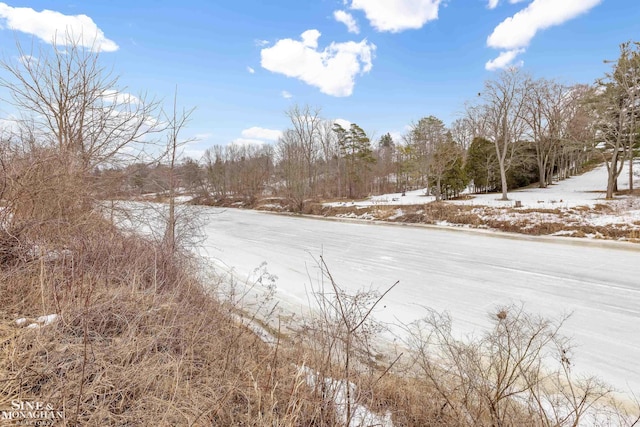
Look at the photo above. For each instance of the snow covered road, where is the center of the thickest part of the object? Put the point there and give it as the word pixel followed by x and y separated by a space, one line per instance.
pixel 467 274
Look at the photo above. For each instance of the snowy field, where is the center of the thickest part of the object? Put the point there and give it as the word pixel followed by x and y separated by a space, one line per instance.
pixel 466 273
pixel 576 202
pixel 583 190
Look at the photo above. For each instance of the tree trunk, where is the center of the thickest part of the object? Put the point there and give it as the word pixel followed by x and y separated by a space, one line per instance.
pixel 542 172
pixel 631 171
pixel 612 176
pixel 503 180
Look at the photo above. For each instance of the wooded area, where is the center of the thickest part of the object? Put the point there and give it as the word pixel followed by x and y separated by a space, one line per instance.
pixel 517 131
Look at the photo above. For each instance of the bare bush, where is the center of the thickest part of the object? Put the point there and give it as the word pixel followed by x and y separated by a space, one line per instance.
pixel 129 350
pixel 518 373
pixel 341 338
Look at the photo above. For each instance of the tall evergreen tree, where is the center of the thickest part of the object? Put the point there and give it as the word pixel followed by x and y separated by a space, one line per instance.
pixel 482 165
pixel 355 147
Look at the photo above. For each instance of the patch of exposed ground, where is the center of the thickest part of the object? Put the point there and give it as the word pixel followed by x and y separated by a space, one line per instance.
pixel 612 220
pixel 616 220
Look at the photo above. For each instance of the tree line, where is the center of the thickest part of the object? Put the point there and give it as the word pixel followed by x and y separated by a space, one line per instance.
pixel 517 131
pixel 77 139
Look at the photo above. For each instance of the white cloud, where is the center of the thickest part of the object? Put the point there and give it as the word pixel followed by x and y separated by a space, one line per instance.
pixel 342 122
pixel 398 15
pixel 9 126
pixel 347 19
pixel 251 70
pixel 194 154
pixel 55 27
pixel 286 95
pixel 28 60
pixel 258 133
pixel 201 137
pixel 505 59
pixel 514 34
pixel 261 43
pixel 117 97
pixel 518 30
pixel 332 70
pixel 247 141
pixel 494 3
pixel 396 136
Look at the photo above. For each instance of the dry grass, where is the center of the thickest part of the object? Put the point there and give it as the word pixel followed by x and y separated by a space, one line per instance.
pixel 524 221
pixel 140 341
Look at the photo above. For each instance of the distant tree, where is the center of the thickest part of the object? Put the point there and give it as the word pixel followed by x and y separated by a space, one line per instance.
pixel 386 141
pixel 355 147
pixel 462 132
pixel 216 171
pixel 190 175
pixel 503 109
pixel 406 166
pixel 543 112
pixel 482 165
pixel 385 159
pixel 455 179
pixel 615 101
pixel 424 136
pixel 291 160
pixel 448 177
pixel 305 132
pixel 332 163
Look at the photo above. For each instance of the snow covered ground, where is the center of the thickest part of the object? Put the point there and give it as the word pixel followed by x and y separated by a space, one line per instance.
pixel 577 202
pixel 587 189
pixel 466 273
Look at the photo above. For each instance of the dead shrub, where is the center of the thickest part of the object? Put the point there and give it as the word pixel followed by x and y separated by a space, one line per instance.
pixel 138 341
pixel 13 250
pixel 43 187
pixel 517 373
pixel 413 218
pixel 312 208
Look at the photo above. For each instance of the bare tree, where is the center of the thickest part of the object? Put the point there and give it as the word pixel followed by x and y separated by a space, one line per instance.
pixel 72 121
pixel 306 125
pixel 176 122
pixel 502 110
pixel 68 101
pixel 291 159
pixel 549 108
pixel 462 131
pixel 475 120
pixel 616 107
pixel 216 171
pixel 517 373
pixel 332 162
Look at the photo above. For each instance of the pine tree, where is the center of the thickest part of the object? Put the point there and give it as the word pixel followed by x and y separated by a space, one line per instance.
pixel 482 165
pixel 355 147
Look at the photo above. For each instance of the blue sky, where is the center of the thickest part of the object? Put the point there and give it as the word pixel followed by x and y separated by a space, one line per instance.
pixel 380 63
